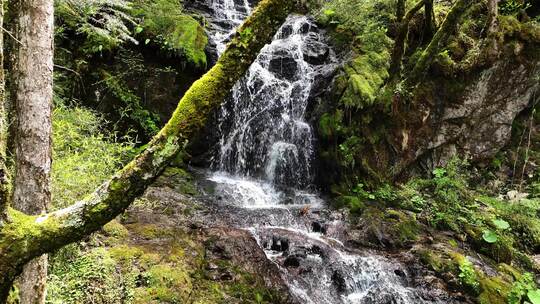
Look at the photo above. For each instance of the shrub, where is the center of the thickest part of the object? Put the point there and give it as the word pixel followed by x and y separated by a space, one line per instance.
pixel 83 157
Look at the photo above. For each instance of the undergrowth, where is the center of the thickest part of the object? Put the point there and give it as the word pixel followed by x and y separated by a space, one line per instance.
pixel 84 156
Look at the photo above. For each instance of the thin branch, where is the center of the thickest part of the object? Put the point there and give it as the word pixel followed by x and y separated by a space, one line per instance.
pixel 11 35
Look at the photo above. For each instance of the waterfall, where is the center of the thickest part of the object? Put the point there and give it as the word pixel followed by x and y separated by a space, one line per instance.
pixel 263 171
pixel 263 127
pixel 228 15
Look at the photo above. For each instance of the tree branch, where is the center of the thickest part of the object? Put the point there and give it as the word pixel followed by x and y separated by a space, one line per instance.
pixel 401 39
pixel 26 237
pixel 442 34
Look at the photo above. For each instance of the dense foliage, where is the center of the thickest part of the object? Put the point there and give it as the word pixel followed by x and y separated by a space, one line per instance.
pixel 444 215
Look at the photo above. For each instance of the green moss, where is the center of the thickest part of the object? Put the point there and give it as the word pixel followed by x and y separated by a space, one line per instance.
pixel 115 230
pixel 330 124
pixel 354 203
pixel 165 283
pixel 125 254
pixel 445 63
pixel 150 231
pixel 89 277
pixel 404 226
pixel 467 273
pixel 494 291
pixel 165 23
pixel 366 74
pixel 179 179
pixel 433 260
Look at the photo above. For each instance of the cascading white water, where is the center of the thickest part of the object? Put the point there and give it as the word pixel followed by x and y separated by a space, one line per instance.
pixel 229 15
pixel 264 134
pixel 264 167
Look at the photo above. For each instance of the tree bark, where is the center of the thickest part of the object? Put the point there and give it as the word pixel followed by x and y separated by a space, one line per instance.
pixel 25 237
pixel 401 39
pixel 446 29
pixel 33 130
pixel 493 15
pixel 400 10
pixel 429 18
pixel 4 174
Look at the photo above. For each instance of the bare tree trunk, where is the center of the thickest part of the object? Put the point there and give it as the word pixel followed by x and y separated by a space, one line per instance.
pixel 25 237
pixel 493 14
pixel 33 131
pixel 4 174
pixel 429 17
pixel 400 10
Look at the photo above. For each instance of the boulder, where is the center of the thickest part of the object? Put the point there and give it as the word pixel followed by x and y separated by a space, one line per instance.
pixel 283 65
pixel 314 51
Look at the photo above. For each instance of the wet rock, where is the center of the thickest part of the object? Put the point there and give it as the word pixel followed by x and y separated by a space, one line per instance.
pixel 226 276
pixel 283 65
pixel 314 51
pixel 307 27
pixel 296 257
pixel 317 250
pixel 318 227
pixel 338 279
pixel 212 266
pixel 286 31
pixel 292 261
pixel 279 244
pixel 400 273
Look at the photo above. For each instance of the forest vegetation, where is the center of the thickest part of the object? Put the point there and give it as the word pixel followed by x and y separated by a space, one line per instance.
pixel 426 124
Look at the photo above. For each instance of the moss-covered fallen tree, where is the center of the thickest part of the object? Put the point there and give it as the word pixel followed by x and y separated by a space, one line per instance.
pixel 24 237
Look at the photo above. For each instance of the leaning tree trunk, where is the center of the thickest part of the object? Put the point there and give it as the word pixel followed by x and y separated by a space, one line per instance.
pixel 401 39
pixel 446 29
pixel 4 174
pixel 33 130
pixel 25 237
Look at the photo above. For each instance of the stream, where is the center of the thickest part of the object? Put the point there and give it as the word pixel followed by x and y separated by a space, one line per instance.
pixel 263 171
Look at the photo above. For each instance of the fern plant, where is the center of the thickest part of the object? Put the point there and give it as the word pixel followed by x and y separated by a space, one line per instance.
pixel 105 24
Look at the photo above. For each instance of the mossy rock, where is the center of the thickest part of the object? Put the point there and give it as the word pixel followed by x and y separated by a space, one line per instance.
pixel 115 230
pixel 389 228
pixel 494 291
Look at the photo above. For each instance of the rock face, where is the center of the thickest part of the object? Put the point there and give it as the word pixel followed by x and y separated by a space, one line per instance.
pixel 468 114
pixel 283 64
pixel 314 51
pixel 481 124
pixel 225 255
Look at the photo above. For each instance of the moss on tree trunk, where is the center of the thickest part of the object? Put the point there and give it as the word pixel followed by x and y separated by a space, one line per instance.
pixel 446 29
pixel 25 237
pixel 401 39
pixel 4 174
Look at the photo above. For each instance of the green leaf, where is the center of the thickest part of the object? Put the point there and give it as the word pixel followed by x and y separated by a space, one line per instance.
pixel 490 236
pixel 501 224
pixel 534 296
pixel 147 41
pixel 439 172
pixel 138 29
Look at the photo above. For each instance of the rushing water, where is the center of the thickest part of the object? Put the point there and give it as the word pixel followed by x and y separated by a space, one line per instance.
pixel 228 15
pixel 263 168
